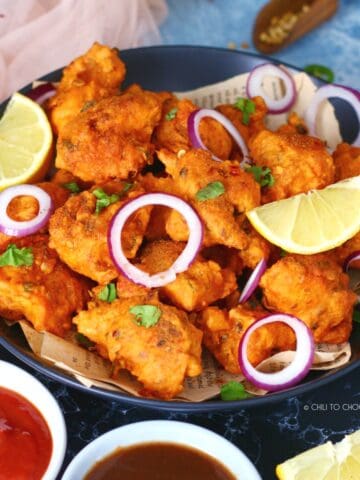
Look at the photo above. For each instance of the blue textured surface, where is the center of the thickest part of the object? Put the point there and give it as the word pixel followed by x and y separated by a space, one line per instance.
pixel 218 22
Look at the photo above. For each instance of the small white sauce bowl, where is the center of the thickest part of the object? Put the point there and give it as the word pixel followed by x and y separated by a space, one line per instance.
pixel 180 433
pixel 15 379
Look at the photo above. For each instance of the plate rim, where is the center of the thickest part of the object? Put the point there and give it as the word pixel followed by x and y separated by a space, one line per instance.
pixel 166 405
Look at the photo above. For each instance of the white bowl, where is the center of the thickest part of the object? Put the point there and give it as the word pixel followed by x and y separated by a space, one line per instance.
pixel 15 379
pixel 162 431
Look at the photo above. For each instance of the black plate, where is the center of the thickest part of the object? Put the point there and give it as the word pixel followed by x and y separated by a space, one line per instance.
pixel 184 68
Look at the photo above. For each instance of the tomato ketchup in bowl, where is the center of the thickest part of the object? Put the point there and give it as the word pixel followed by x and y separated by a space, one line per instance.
pixel 32 427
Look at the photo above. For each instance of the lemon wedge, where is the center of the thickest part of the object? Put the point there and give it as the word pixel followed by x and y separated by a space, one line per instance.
pixel 326 462
pixel 25 142
pixel 311 222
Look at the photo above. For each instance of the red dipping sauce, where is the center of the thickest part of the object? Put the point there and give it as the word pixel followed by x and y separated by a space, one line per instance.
pixel 25 439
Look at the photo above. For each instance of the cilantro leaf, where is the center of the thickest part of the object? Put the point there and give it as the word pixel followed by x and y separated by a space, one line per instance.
pixel 283 253
pixel 212 190
pixel 233 391
pixel 16 257
pixel 171 114
pixel 356 316
pixel 262 175
pixel 108 293
pixel 103 199
pixel 146 315
pixel 73 187
pixel 247 107
pixel 83 340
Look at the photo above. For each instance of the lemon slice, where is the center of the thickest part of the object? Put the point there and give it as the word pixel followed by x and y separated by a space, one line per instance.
pixel 25 142
pixel 311 222
pixel 326 462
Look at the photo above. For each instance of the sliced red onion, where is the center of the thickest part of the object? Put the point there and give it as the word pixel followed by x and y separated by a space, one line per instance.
pixel 293 373
pixel 254 87
pixel 15 228
pixel 253 281
pixel 184 260
pixel 330 91
pixel 350 259
pixel 42 92
pixel 194 133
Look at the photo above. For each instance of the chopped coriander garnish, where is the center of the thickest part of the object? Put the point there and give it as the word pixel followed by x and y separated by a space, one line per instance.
pixel 262 175
pixel 108 293
pixel 88 105
pixel 127 187
pixel 247 107
pixel 16 257
pixel 320 71
pixel 171 114
pixel 146 315
pixel 356 315
pixel 83 340
pixel 103 199
pixel 72 186
pixel 283 253
pixel 233 391
pixel 212 190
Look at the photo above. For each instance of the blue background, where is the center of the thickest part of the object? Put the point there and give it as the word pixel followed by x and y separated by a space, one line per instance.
pixel 335 43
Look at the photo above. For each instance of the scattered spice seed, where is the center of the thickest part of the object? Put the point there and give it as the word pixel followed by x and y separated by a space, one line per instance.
pixel 280 27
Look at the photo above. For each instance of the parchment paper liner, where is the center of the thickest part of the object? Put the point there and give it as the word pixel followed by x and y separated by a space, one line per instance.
pixel 92 370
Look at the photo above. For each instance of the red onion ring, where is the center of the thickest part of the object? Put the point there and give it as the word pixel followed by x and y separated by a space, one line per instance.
pixel 186 257
pixel 253 281
pixel 254 82
pixel 351 258
pixel 293 373
pixel 15 228
pixel 329 91
pixel 194 134
pixel 42 92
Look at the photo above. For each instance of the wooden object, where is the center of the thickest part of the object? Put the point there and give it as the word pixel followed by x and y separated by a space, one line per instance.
pixel 318 12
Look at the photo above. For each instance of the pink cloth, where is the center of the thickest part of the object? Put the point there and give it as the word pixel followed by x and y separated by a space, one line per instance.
pixel 39 36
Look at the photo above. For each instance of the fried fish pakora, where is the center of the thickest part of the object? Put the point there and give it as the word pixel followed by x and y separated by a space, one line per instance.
pixel 224 329
pixel 298 163
pixel 346 249
pixel 314 289
pixel 95 75
pixel 46 293
pixel 24 208
pixel 79 234
pixel 172 131
pixel 160 356
pixel 347 161
pixel 201 284
pixel 111 140
pixel 196 170
pixel 256 119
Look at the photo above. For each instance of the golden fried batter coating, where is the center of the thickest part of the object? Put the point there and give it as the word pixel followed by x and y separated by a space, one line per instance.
pixel 298 163
pixel 256 119
pixel 258 247
pixel 346 249
pixel 172 131
pixel 223 331
pixel 295 124
pixel 347 161
pixel 25 208
pixel 203 283
pixel 95 75
pixel 112 139
pixel 196 170
pixel 314 289
pixel 160 356
pixel 79 235
pixel 47 293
